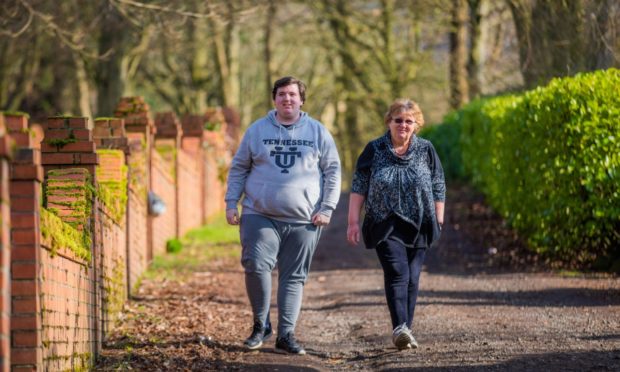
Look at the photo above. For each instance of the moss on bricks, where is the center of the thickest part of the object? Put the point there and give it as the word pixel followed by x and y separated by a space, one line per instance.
pixel 62 235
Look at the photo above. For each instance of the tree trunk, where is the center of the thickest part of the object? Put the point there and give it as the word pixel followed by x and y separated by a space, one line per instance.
pixel 110 77
pixel 459 89
pixel 267 53
pixel 83 99
pixel 603 38
pixel 199 65
pixel 550 36
pixel 473 59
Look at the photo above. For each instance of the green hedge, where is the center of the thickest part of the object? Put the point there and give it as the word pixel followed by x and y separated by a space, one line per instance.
pixel 445 139
pixel 549 161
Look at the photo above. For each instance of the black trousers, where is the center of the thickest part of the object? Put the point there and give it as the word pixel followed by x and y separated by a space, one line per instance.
pixel 401 272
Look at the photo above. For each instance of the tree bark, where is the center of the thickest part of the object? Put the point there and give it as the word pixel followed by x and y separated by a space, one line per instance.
pixel 551 38
pixel 459 89
pixel 110 77
pixel 473 59
pixel 267 52
pixel 83 98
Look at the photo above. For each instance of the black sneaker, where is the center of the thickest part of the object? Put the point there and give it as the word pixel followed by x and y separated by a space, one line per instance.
pixel 288 344
pixel 259 334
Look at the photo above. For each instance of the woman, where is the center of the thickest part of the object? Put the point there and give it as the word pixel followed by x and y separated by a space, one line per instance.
pixel 400 179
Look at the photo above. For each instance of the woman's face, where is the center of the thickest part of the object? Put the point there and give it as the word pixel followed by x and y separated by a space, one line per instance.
pixel 402 127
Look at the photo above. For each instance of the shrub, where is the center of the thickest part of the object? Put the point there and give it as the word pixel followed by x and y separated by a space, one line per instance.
pixel 174 245
pixel 445 139
pixel 549 162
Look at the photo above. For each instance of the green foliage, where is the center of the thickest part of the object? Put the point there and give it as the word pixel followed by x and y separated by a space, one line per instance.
pixel 549 162
pixel 445 139
pixel 174 245
pixel 114 288
pixel 169 153
pixel 194 258
pixel 212 126
pixel 62 142
pixel 61 235
pixel 200 247
pixel 218 231
pixel 74 232
pixel 15 113
pixel 113 193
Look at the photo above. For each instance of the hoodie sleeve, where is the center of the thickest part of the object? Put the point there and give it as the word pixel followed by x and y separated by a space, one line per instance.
pixel 238 172
pixel 330 166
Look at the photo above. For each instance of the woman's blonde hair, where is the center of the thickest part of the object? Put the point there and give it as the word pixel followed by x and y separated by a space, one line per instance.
pixel 402 105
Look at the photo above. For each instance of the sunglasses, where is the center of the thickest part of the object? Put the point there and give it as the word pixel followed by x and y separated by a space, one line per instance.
pixel 401 120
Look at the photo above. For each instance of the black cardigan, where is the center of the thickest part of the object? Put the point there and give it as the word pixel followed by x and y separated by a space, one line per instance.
pixel 400 192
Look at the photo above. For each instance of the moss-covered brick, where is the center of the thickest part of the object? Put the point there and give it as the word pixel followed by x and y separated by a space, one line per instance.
pixel 69 195
pixel 15 113
pixel 112 183
pixel 114 288
pixel 60 235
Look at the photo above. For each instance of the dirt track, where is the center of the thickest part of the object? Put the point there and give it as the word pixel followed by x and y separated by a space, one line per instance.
pixel 473 313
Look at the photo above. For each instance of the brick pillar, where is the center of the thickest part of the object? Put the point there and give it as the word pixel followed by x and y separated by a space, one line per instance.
pixel 169 133
pixel 26 178
pixel 192 142
pixel 140 130
pixel 68 143
pixel 217 145
pixel 109 133
pixel 5 248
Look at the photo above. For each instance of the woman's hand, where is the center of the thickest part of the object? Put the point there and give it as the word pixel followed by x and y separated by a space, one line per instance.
pixel 355 206
pixel 353 233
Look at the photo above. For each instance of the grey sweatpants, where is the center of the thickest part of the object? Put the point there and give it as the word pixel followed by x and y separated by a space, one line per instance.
pixel 267 242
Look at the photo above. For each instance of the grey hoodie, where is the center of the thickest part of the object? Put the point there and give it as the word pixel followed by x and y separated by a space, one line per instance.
pixel 287 173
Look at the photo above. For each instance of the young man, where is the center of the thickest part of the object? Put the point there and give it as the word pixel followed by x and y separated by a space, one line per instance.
pixel 288 170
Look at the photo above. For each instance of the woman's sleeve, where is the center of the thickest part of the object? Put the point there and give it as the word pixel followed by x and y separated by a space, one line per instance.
pixel 437 176
pixel 361 177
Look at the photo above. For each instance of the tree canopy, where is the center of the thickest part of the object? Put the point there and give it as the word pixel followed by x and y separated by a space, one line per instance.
pixel 355 56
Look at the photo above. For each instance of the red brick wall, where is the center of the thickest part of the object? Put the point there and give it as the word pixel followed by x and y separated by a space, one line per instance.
pixel 216 164
pixel 139 128
pixel 69 315
pixel 189 189
pixel 207 136
pixel 113 269
pixel 139 239
pixel 70 298
pixel 110 229
pixel 5 249
pixel 68 329
pixel 25 191
pixel 136 237
pixel 163 184
pixel 60 301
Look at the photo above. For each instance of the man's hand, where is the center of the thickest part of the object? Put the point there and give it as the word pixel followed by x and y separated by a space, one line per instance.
pixel 353 233
pixel 232 216
pixel 320 220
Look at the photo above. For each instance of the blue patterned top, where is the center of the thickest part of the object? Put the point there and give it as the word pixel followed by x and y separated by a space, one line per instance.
pixel 406 187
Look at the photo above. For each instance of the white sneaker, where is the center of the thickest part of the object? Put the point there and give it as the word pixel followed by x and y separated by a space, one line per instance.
pixel 402 337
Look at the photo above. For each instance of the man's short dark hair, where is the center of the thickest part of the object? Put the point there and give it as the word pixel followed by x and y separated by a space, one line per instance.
pixel 289 80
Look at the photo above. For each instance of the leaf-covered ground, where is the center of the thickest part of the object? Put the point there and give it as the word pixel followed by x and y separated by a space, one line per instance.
pixel 485 304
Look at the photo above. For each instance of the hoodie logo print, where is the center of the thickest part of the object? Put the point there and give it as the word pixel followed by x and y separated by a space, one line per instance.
pixel 285 159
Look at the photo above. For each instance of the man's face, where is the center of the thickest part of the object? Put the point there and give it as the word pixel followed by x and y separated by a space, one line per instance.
pixel 288 103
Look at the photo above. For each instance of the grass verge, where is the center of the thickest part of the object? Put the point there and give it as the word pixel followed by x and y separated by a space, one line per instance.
pixel 201 249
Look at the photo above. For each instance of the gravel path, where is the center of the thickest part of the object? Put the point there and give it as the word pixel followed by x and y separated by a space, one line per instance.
pixel 473 312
